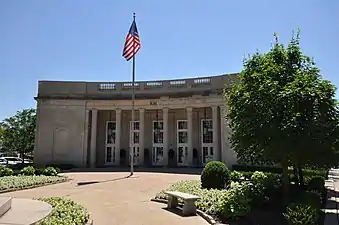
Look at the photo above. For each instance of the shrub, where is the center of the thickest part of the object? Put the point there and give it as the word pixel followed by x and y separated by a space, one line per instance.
pixel 250 168
pixel 5 171
pixel 236 176
pixel 65 211
pixel 317 183
pixel 18 182
pixel 28 171
pixel 237 202
pixel 49 171
pixel 301 214
pixel 215 175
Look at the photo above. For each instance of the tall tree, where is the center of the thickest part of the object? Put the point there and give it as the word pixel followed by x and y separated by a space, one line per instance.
pixel 18 132
pixel 282 111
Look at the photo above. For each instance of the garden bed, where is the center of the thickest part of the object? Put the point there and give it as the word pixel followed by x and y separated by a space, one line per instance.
pixel 257 198
pixel 64 212
pixel 16 183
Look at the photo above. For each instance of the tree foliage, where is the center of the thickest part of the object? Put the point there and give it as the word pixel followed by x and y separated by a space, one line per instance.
pixel 18 132
pixel 282 111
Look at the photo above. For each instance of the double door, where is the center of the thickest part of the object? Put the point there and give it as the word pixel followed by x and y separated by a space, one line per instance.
pixel 135 142
pixel 206 137
pixel 110 147
pixel 182 143
pixel 157 142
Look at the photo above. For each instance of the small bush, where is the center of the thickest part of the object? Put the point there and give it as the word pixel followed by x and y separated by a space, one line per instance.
pixel 5 171
pixel 317 183
pixel 250 168
pixel 49 171
pixel 236 176
pixel 28 171
pixel 237 202
pixel 215 175
pixel 39 171
pixel 301 214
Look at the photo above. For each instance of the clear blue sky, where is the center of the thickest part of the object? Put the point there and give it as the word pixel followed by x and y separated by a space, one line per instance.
pixel 83 39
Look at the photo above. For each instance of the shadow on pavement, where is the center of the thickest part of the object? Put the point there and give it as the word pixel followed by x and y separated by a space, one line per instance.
pixel 183 170
pixel 177 211
pixel 99 182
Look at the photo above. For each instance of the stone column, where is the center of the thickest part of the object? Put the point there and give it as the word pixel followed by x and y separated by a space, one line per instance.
pixel 117 136
pixel 141 135
pixel 85 139
pixel 223 137
pixel 215 133
pixel 189 136
pixel 165 120
pixel 94 137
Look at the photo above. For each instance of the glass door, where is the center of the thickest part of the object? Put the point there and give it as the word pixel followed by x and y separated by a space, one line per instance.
pixel 158 142
pixel 182 143
pixel 110 143
pixel 134 141
pixel 206 141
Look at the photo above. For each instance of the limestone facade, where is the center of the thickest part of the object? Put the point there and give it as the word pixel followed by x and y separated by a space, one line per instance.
pixel 177 123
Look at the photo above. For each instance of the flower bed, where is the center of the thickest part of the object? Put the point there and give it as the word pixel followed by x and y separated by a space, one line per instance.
pixel 13 183
pixel 64 212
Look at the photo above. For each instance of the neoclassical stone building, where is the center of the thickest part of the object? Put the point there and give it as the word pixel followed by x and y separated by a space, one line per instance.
pixel 177 123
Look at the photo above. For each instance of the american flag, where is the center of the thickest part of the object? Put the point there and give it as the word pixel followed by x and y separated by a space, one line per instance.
pixel 132 43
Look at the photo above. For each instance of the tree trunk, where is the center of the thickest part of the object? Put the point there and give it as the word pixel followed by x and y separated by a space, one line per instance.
pixel 300 172
pixel 295 174
pixel 285 180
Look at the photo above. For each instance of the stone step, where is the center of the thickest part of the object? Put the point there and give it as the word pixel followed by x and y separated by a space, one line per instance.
pixel 25 212
pixel 5 205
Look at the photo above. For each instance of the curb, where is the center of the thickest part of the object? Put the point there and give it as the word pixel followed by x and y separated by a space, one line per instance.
pixel 33 186
pixel 205 216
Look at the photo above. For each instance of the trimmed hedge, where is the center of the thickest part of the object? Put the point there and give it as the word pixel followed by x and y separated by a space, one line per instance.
pixel 64 212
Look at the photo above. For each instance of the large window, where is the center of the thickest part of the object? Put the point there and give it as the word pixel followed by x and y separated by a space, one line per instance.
pixel 207 129
pixel 110 132
pixel 158 132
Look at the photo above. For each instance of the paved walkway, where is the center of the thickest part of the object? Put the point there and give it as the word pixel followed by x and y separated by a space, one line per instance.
pixel 332 206
pixel 113 199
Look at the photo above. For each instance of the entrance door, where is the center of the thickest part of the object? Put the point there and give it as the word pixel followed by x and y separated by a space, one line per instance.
pixel 110 143
pixel 134 141
pixel 207 140
pixel 158 142
pixel 182 143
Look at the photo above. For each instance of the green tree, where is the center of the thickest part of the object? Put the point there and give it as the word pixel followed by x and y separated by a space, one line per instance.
pixel 283 112
pixel 18 132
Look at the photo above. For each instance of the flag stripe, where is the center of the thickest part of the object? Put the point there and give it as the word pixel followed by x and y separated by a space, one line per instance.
pixel 132 43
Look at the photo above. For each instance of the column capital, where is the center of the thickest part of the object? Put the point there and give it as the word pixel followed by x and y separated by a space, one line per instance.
pixel 117 111
pixel 214 107
pixel 189 109
pixel 165 110
pixel 94 110
pixel 142 110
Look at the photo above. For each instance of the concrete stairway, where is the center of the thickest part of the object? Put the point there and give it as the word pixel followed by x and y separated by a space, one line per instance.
pixel 15 211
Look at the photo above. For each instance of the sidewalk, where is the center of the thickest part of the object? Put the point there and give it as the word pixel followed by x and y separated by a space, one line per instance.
pixel 332 206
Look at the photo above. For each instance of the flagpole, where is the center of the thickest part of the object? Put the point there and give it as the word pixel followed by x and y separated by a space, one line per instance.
pixel 133 102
